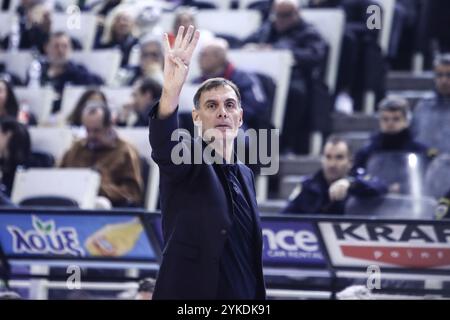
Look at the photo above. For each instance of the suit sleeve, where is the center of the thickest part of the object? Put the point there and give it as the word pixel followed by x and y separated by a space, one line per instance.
pixel 169 147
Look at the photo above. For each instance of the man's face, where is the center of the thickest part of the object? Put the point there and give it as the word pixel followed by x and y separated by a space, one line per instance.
pixel 286 15
pixel 123 24
pixel 442 79
pixel 141 100
pixel 336 162
pixel 211 59
pixel 59 49
pixel 98 135
pixel 219 114
pixel 392 122
pixel 150 55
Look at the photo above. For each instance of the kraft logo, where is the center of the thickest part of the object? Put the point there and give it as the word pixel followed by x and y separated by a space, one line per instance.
pixel 44 238
pixel 291 240
pixel 404 247
pixel 392 233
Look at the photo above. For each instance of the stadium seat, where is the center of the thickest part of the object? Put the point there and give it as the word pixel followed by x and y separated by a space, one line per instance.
pixel 392 206
pixel 116 98
pixel 48 201
pixel 17 62
pixel 81 185
pixel 330 24
pixel 437 177
pixel 244 22
pixel 85 33
pixel 105 62
pixel 38 100
pixel 54 141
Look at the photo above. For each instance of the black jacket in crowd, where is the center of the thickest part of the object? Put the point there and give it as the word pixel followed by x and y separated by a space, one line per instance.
pixel 314 195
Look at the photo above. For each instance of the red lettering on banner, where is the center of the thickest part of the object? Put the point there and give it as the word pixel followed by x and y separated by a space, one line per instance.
pixel 400 256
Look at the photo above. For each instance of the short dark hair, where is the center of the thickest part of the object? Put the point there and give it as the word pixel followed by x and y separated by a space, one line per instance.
pixel 75 117
pixel 394 104
pixel 151 86
pixel 442 59
pixel 212 84
pixel 91 109
pixel 19 145
pixel 12 105
pixel 335 139
pixel 58 34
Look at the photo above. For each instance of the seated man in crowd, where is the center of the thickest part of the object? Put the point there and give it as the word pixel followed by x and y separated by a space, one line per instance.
pixel 59 70
pixel 286 29
pixel 394 136
pixel 150 62
pixel 431 116
pixel 117 161
pixel 145 93
pixel 327 191
pixel 214 62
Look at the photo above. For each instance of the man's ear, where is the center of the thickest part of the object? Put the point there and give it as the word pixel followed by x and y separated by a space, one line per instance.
pixel 195 117
pixel 241 118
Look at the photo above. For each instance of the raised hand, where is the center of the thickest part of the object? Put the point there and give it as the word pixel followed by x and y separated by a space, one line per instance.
pixel 176 67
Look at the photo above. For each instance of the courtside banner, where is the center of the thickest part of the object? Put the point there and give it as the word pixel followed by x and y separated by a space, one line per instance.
pixel 290 243
pixel 74 235
pixel 406 245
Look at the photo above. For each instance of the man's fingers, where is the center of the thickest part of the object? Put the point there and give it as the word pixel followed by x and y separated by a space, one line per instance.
pixel 179 38
pixel 166 43
pixel 187 37
pixel 193 43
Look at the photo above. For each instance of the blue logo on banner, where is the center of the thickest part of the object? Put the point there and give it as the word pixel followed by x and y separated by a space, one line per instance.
pixel 45 238
pixel 291 243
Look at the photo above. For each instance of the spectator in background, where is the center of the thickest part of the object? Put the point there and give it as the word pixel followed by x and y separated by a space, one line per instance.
pixel 145 93
pixel 185 17
pixel 151 62
pixel 120 33
pixel 35 29
pixel 214 63
pixel 394 136
pixel 117 161
pixel 90 96
pixel 431 116
pixel 287 30
pixel 58 70
pixel 327 191
pixel 8 76
pixel 9 106
pixel 15 151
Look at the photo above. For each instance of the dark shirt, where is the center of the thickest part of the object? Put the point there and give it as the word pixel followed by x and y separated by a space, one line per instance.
pixel 124 46
pixel 314 196
pixel 399 142
pixel 75 74
pixel 237 278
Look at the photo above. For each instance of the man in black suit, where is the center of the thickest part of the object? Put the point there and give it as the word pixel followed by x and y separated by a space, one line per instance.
pixel 211 228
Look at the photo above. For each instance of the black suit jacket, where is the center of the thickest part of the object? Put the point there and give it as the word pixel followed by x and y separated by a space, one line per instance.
pixel 196 208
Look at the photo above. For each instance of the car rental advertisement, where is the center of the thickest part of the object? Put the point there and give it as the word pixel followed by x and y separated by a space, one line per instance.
pixel 74 236
pixel 290 244
pixel 397 245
